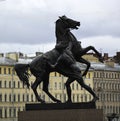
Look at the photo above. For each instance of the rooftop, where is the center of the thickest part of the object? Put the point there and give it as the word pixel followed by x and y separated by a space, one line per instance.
pixel 94 65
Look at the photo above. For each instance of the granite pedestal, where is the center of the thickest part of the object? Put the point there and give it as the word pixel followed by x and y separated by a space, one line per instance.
pixel 61 112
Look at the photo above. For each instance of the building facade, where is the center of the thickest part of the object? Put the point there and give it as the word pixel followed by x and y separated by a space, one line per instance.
pixel 106 81
pixel 14 95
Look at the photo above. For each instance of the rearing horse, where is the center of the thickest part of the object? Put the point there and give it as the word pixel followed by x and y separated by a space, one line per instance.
pixel 40 68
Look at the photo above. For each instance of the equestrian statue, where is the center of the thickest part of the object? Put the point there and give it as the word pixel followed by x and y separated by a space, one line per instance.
pixel 62 59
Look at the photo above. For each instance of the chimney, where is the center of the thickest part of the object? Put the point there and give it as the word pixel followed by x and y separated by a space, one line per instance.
pixel 105 56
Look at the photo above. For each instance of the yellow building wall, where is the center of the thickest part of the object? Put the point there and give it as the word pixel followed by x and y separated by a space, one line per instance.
pixel 11 85
pixel 90 58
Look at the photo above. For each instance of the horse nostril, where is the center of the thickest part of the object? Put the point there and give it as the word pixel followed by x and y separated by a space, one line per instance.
pixel 78 23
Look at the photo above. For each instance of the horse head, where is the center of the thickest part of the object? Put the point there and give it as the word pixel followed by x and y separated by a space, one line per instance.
pixel 69 23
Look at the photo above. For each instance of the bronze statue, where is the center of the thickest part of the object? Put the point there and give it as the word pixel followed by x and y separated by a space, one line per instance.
pixel 61 59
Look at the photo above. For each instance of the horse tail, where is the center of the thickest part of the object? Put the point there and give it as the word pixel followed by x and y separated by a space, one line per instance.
pixel 22 73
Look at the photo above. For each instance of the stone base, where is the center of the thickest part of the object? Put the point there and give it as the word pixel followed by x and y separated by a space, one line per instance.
pixel 62 115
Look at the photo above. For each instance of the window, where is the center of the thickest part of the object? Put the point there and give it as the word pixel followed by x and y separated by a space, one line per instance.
pixel 73 97
pixel 10 112
pixel 60 85
pixel 60 96
pixel 5 84
pixel 27 98
pixel 55 85
pixel 18 109
pixel 55 95
pixel 0 71
pixel 9 71
pixel 0 84
pixel 5 112
pixel 55 73
pixel 14 98
pixel 14 112
pixel 77 97
pixel 5 97
pixel 23 97
pixel 4 70
pixel 64 97
pixel 77 87
pixel 94 74
pixel 18 84
pixel 18 97
pixel 81 98
pixel 73 86
pixel 89 75
pixel 0 97
pixel 81 88
pixel 85 98
pixel 0 113
pixel 14 84
pixel 59 75
pixel 10 98
pixel 9 84
pixel 89 97
pixel 32 98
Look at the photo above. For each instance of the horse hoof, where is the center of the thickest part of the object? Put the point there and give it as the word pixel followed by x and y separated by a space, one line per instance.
pixel 40 100
pixel 101 60
pixel 68 102
pixel 58 101
pixel 95 99
pixel 43 102
pixel 84 75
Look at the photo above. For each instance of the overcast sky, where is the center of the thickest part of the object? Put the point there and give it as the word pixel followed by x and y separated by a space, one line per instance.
pixel 29 25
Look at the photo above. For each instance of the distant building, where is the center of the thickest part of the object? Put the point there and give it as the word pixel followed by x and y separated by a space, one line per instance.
pixel 106 81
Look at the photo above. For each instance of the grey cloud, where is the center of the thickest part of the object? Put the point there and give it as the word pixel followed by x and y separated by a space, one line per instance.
pixel 35 25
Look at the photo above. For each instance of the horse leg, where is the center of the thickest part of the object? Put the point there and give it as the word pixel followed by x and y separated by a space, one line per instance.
pixel 67 84
pixel 82 60
pixel 85 50
pixel 34 87
pixel 81 82
pixel 45 88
